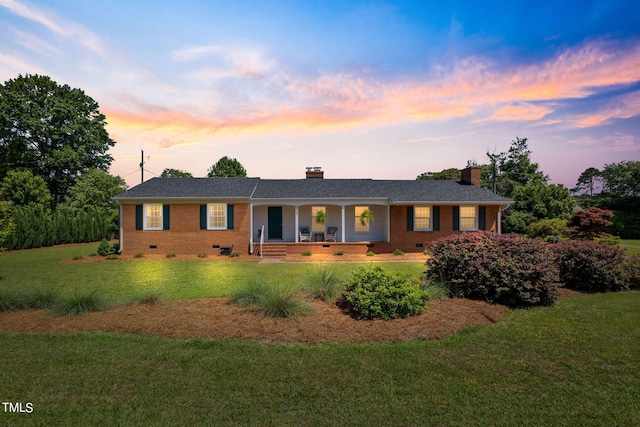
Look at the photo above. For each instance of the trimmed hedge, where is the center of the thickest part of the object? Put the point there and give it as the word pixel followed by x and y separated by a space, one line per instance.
pixel 591 266
pixel 504 269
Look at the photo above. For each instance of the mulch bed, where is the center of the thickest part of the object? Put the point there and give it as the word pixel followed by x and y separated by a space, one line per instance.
pixel 216 318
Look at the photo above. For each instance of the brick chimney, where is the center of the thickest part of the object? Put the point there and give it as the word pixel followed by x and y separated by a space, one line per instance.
pixel 471 174
pixel 314 172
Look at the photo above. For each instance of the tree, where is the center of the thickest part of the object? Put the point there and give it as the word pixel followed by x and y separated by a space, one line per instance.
pixel 226 167
pixel 6 222
pixel 22 188
pixel 175 173
pixel 588 181
pixel 622 178
pixel 590 223
pixel 93 191
pixel 95 188
pixel 515 168
pixel 452 174
pixel 54 131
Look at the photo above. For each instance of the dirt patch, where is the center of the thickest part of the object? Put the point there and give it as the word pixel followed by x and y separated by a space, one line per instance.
pixel 215 319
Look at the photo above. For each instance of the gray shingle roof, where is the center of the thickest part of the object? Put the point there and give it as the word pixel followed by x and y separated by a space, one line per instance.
pixel 395 191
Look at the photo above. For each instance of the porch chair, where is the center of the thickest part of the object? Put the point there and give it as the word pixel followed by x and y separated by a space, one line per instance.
pixel 305 234
pixel 330 236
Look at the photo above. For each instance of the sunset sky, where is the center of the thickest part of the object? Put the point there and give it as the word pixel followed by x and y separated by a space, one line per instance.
pixel 383 90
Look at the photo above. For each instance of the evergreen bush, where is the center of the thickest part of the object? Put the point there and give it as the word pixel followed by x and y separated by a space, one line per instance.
pixel 104 248
pixel 372 292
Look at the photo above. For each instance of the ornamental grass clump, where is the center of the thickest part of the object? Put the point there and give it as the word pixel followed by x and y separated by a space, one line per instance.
pixel 80 303
pixel 504 269
pixel 9 300
pixel 372 292
pixel 42 297
pixel 270 299
pixel 323 283
pixel 591 266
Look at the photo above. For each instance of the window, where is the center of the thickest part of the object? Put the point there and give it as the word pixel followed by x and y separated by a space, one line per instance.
pixel 361 224
pixel 468 216
pixel 217 218
pixel 153 216
pixel 318 219
pixel 422 218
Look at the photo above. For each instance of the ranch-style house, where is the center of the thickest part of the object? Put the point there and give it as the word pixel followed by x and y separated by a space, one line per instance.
pixel 280 216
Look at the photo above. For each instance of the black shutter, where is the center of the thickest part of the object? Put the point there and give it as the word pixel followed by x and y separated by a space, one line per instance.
pixel 203 217
pixel 456 218
pixel 230 217
pixel 436 218
pixel 409 218
pixel 482 218
pixel 165 217
pixel 138 217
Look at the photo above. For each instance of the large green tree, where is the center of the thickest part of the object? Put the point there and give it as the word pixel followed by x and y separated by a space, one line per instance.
pixel 519 178
pixel 175 173
pixel 227 167
pixel 53 130
pixel 21 188
pixel 453 174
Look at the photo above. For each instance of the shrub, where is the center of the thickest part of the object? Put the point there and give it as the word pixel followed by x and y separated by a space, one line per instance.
pixel 554 229
pixel 590 223
pixel 631 272
pixel 339 253
pixel 270 299
pixel 371 253
pixel 80 303
pixel 150 299
pixel 104 248
pixel 306 253
pixel 171 255
pixel 398 252
pixel 139 255
pixel 590 266
pixel 202 255
pixel 112 257
pixel 372 292
pixel 323 283
pixel 503 269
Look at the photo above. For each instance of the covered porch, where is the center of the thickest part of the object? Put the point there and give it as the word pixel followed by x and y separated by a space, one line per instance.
pixel 310 222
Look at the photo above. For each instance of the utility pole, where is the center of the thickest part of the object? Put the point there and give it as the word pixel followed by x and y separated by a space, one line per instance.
pixel 142 166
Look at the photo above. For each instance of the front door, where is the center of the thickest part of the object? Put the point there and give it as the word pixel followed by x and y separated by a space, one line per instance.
pixel 274 222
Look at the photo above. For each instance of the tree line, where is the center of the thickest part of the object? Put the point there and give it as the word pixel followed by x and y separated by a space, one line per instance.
pixel 514 175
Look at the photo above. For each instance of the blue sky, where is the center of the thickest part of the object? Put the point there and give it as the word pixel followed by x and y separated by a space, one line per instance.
pixel 384 90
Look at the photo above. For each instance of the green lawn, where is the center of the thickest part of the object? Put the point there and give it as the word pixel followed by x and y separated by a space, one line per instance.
pixel 120 280
pixel 632 246
pixel 577 363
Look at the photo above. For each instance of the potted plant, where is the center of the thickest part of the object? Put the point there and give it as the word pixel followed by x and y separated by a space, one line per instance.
pixel 366 217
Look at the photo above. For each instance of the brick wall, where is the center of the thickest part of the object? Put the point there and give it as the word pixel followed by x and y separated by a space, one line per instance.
pixel 184 235
pixel 415 241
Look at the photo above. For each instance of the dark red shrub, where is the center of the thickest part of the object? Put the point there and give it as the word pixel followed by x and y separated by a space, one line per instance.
pixel 590 223
pixel 504 269
pixel 590 266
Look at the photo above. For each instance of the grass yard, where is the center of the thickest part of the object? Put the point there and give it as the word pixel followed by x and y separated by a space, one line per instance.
pixel 121 281
pixel 632 246
pixel 577 363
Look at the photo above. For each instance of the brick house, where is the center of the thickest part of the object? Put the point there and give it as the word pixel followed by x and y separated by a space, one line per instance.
pixel 203 215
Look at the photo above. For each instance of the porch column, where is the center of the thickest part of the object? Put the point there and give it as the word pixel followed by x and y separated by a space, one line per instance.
pixel 251 228
pixel 296 222
pixel 388 223
pixel 344 233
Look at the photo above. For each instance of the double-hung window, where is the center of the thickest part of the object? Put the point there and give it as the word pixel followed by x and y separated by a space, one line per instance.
pixel 153 216
pixel 422 218
pixel 217 216
pixel 468 218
